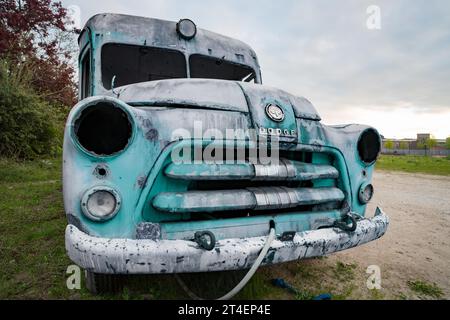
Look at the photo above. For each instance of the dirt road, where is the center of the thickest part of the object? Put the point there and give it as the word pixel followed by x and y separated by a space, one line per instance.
pixel 416 247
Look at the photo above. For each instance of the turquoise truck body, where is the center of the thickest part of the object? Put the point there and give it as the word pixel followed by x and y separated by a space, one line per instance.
pixel 314 195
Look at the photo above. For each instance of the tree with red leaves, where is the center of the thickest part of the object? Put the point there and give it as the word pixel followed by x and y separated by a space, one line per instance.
pixel 32 32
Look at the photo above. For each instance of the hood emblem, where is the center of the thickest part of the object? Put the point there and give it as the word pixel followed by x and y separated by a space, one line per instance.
pixel 275 112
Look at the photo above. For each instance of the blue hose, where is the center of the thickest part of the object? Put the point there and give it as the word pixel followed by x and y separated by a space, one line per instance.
pixel 278 282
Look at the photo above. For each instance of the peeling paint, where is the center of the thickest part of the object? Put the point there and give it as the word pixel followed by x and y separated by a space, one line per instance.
pixel 141 182
pixel 121 255
pixel 152 134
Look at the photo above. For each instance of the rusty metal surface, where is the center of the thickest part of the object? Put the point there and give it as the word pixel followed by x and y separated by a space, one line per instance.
pixel 123 256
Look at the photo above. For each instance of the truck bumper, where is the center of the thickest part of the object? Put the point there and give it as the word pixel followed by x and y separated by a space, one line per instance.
pixel 129 256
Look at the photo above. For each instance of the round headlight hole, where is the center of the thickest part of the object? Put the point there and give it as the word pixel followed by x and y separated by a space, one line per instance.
pixel 103 129
pixel 369 146
pixel 366 193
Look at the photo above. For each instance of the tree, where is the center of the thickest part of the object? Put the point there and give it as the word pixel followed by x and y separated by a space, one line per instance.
pixel 427 144
pixel 389 144
pixel 31 32
pixel 447 143
pixel 430 143
pixel 404 145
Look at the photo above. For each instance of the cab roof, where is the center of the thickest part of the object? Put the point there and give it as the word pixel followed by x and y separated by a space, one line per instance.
pixel 128 29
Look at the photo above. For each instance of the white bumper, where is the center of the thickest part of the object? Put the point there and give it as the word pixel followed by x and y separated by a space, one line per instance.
pixel 123 256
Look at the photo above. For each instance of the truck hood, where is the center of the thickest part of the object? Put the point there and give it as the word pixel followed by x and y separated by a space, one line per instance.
pixel 213 94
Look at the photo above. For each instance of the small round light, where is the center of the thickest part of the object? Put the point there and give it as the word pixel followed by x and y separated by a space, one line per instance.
pixel 100 204
pixel 186 28
pixel 365 193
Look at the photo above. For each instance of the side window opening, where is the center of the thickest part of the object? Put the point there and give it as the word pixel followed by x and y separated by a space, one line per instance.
pixel 86 75
pixel 213 68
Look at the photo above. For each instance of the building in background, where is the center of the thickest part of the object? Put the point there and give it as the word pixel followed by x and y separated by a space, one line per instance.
pixel 424 144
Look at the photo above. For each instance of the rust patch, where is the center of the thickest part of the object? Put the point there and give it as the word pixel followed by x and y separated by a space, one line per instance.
pixel 142 182
pixel 152 134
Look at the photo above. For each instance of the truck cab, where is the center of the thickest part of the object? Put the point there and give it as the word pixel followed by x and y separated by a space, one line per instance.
pixel 178 159
pixel 136 49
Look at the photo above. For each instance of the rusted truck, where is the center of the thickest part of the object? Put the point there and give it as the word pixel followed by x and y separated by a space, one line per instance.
pixel 132 208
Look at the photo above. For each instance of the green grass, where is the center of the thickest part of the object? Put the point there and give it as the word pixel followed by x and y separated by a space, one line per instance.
pixel 31 224
pixel 423 288
pixel 344 272
pixel 415 164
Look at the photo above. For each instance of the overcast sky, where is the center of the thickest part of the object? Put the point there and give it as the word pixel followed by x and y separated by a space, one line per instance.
pixel 396 78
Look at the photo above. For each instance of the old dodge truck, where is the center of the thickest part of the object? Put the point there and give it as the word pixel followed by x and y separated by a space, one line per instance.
pixel 150 90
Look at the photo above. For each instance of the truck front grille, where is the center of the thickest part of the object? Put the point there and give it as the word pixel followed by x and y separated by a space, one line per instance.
pixel 304 190
pixel 245 188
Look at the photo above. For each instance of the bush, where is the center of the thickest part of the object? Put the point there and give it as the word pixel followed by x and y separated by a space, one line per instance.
pixel 29 126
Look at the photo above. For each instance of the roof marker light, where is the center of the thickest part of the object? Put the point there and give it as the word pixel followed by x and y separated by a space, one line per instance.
pixel 186 28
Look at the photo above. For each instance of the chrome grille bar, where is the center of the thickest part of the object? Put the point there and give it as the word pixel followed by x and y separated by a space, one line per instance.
pixel 285 170
pixel 263 198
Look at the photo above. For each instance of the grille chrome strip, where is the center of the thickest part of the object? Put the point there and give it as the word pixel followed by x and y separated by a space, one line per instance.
pixel 285 170
pixel 263 198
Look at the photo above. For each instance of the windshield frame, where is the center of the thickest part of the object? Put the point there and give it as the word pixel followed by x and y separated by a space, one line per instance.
pixel 187 55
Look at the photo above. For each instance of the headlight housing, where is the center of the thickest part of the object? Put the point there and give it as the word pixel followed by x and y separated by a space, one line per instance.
pixel 186 28
pixel 100 203
pixel 369 146
pixel 365 193
pixel 103 128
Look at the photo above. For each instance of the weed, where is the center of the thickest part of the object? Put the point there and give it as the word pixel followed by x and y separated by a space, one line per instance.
pixel 344 271
pixel 425 288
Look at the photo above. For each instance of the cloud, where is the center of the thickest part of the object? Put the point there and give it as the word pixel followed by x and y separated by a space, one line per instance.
pixel 324 51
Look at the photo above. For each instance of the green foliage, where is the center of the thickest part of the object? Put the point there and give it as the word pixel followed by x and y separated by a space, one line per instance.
pixel 29 127
pixel 389 144
pixel 447 143
pixel 428 143
pixel 404 145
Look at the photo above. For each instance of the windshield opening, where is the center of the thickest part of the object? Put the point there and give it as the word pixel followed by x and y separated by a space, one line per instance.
pixel 212 68
pixel 132 64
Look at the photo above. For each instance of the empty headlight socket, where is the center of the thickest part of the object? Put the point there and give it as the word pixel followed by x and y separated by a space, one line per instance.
pixel 362 193
pixel 369 146
pixel 103 128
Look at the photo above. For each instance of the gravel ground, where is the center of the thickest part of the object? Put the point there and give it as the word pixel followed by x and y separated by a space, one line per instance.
pixel 417 244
